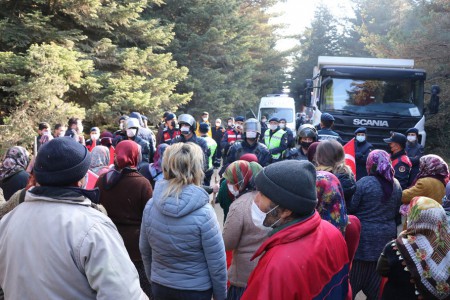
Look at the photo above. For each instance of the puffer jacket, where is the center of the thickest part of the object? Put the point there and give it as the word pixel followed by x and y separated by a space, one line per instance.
pixel 56 246
pixel 181 243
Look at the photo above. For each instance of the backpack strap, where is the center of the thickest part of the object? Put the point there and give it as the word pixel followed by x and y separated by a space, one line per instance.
pixel 22 195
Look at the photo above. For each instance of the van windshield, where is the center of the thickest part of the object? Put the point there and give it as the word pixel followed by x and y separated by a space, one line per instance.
pixel 280 113
pixel 400 97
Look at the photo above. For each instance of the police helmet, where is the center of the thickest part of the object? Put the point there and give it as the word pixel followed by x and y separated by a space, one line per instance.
pixel 252 125
pixel 187 119
pixel 132 123
pixel 307 131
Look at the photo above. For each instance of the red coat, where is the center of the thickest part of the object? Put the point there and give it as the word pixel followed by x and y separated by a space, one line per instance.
pixel 307 260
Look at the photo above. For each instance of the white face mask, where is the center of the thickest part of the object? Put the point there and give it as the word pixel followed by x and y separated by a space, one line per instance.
pixel 230 124
pixel 239 126
pixel 251 134
pixel 264 120
pixel 131 132
pixel 232 190
pixel 258 216
pixel 218 124
pixel 121 126
pixel 185 130
pixel 360 138
pixel 273 127
pixel 411 138
pixel 62 133
pixel 205 119
pixel 95 136
pixel 282 125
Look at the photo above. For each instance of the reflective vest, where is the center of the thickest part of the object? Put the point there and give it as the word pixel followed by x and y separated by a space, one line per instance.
pixel 274 141
pixel 167 137
pixel 233 136
pixel 212 146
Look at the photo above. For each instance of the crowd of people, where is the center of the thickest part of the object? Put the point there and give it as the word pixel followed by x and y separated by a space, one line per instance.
pixel 129 214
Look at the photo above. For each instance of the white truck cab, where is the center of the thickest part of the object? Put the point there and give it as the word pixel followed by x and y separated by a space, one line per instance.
pixel 280 106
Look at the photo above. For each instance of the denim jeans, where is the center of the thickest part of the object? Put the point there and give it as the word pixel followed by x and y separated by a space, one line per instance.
pixel 161 292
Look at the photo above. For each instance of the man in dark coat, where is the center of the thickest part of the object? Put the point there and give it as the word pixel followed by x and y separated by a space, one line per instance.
pixel 400 161
pixel 414 150
pixel 362 150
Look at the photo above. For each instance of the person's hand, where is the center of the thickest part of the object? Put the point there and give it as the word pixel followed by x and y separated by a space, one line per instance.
pixel 216 188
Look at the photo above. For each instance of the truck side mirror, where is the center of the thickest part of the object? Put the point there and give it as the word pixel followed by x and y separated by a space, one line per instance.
pixel 433 107
pixel 307 91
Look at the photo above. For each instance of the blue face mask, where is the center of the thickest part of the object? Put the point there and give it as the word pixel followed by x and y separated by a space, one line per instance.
pixel 360 138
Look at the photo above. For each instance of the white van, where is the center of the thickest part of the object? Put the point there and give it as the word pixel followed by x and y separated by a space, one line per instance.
pixel 278 105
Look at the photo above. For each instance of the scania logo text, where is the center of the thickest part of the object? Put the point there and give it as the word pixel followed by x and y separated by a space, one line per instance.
pixel 364 122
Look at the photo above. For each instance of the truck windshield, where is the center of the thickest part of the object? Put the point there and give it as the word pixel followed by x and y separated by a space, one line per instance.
pixel 373 97
pixel 280 113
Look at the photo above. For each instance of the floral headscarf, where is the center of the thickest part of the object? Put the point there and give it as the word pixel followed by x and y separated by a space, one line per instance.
pixel 331 201
pixel 379 165
pixel 432 166
pixel 16 159
pixel 425 247
pixel 99 158
pixel 241 174
pixel 158 157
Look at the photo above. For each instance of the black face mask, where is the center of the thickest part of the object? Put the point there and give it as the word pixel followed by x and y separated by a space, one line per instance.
pixel 305 144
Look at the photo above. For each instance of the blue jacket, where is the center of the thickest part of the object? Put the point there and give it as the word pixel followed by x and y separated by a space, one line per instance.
pixel 377 217
pixel 181 242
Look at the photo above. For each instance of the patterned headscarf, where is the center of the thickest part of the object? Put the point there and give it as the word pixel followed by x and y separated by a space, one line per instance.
pixel 15 160
pixel 425 246
pixel 379 165
pixel 432 166
pixel 242 173
pixel 158 157
pixel 99 158
pixel 331 202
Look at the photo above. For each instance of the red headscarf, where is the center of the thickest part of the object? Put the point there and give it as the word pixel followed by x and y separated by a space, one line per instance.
pixel 128 154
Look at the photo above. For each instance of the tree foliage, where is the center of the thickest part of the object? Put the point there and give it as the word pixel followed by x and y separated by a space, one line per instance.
pixel 91 59
pixel 228 47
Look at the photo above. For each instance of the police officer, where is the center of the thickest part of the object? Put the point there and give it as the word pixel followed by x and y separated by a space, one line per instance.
pixel 250 144
pixel 145 133
pixel 400 161
pixel 289 132
pixel 362 150
pixel 306 135
pixel 232 134
pixel 132 129
pixel 171 129
pixel 187 128
pixel 212 146
pixel 326 133
pixel 414 150
pixel 275 139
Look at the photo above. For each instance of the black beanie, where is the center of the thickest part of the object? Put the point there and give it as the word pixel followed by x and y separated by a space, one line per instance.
pixel 290 184
pixel 61 162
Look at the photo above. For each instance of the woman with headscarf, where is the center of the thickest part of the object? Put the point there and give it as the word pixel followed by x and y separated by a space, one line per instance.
pixel 124 193
pixel 224 196
pixel 99 160
pixel 181 241
pixel 430 181
pixel 416 263
pixel 330 157
pixel 153 172
pixel 13 175
pixel 240 234
pixel 331 203
pixel 375 203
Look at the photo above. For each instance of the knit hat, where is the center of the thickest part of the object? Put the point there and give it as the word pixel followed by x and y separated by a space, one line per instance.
pixel 60 162
pixel 413 130
pixel 296 192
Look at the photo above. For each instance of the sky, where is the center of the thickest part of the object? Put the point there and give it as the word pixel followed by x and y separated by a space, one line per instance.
pixel 298 14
